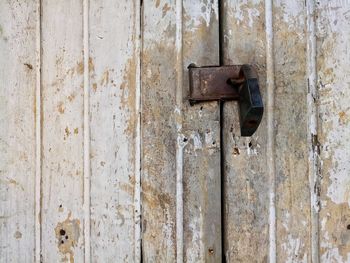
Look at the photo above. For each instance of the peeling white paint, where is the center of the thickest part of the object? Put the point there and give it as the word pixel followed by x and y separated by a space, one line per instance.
pixel 286 222
pixel 197 228
pixel 332 255
pixel 252 146
pixel 179 148
pixel 292 248
pixel 253 12
pixel 209 138
pixel 204 13
pixel 270 84
pixel 197 141
pixel 334 114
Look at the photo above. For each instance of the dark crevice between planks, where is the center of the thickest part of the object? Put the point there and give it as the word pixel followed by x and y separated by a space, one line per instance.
pixel 140 122
pixel 222 170
pixel 222 157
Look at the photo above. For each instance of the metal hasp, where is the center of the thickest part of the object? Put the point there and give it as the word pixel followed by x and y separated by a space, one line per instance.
pixel 236 82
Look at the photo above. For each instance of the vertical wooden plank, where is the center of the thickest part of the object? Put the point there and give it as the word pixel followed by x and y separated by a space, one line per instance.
pixel 201 128
pixel 333 38
pixel 17 130
pixel 270 127
pixel 292 184
pixel 38 140
pixel 159 136
pixel 246 180
pixel 114 80
pixel 62 131
pixel 313 145
pixel 86 135
pixel 181 157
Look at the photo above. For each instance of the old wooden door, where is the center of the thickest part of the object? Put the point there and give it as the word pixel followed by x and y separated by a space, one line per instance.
pixel 103 160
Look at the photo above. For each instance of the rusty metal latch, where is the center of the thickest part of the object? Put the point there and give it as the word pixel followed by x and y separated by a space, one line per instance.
pixel 236 82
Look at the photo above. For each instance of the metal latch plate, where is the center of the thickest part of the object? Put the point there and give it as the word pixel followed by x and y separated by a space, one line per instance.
pixel 211 83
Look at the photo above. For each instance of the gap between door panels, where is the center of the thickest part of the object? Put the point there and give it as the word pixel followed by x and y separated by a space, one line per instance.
pixel 222 157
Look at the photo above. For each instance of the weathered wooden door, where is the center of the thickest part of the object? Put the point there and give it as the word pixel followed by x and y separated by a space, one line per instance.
pixel 102 159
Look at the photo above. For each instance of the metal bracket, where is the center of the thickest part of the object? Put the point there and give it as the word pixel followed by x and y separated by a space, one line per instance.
pixel 236 82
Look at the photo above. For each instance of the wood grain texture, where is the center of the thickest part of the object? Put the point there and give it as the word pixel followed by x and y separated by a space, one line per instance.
pixel 246 181
pixel 113 83
pixel 62 131
pixel 201 130
pixel 291 157
pixel 17 130
pixel 159 135
pixel 174 132
pixel 90 52
pixel 332 32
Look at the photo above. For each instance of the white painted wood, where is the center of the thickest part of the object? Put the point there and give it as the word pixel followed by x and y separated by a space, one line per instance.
pixel 270 129
pixel 307 183
pixel 38 148
pixel 333 78
pixel 114 83
pixel 179 30
pixel 181 157
pixel 291 132
pixel 62 65
pixel 312 131
pixel 86 134
pixel 160 169
pixel 293 221
pixel 72 134
pixel 17 130
pixel 247 188
pixel 201 128
pixel 291 162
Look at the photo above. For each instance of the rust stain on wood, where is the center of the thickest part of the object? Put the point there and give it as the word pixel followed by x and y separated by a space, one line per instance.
pixel 60 107
pixel 128 96
pixel 80 68
pixel 157 3
pixel 17 235
pixel 29 66
pixel 67 236
pixel 105 78
pixel 165 10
